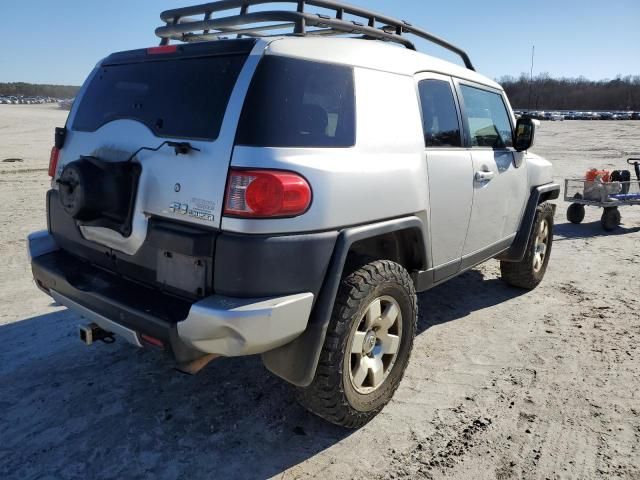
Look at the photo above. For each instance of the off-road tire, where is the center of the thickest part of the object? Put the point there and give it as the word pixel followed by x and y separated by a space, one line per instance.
pixel 611 218
pixel 522 274
pixel 575 213
pixel 331 394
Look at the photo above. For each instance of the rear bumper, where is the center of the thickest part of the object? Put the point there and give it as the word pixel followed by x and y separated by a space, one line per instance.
pixel 218 325
pixel 239 326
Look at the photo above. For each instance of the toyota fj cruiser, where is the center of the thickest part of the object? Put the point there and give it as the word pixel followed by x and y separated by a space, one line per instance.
pixel 287 194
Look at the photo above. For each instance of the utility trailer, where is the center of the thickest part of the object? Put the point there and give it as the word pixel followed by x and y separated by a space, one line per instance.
pixel 609 196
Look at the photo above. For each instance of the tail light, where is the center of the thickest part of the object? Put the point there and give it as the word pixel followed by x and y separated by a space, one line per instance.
pixel 61 134
pixel 266 194
pixel 53 161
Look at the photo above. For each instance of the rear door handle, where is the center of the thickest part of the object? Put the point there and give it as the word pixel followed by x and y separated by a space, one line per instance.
pixel 484 176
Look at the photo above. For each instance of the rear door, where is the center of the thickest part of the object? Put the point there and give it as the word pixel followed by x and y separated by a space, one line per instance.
pixel 136 101
pixel 499 178
pixel 450 172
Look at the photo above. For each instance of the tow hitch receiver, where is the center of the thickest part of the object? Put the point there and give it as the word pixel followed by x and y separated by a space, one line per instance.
pixel 93 332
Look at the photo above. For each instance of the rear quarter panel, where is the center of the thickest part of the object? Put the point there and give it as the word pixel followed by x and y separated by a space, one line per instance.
pixel 382 176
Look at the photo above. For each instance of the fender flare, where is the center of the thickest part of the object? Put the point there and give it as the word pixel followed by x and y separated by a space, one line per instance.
pixel 297 361
pixel 539 194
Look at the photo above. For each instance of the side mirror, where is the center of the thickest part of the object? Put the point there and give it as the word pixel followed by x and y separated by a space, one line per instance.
pixel 525 133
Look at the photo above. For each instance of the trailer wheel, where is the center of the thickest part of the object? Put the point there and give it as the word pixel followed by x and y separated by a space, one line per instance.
pixel 575 213
pixel 610 218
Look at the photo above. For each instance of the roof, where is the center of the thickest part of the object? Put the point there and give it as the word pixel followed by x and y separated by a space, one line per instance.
pixel 371 54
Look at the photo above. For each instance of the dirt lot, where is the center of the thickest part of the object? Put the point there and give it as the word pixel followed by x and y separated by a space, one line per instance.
pixel 502 384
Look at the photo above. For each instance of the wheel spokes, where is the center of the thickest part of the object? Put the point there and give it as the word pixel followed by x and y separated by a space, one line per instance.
pixel 390 343
pixel 542 249
pixel 374 312
pixel 376 368
pixel 537 261
pixel 543 232
pixel 361 371
pixel 375 344
pixel 389 317
pixel 357 346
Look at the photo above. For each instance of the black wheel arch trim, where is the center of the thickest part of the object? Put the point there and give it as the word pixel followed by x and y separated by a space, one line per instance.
pixel 297 361
pixel 539 194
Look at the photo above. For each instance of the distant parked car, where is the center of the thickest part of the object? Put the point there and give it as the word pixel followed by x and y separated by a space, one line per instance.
pixel 66 104
pixel 531 114
pixel 635 116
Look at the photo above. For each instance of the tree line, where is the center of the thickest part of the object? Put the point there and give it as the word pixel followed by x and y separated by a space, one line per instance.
pixel 541 93
pixel 546 93
pixel 33 90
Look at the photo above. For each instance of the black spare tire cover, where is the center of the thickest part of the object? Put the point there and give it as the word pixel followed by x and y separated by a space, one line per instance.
pixel 100 193
pixel 81 192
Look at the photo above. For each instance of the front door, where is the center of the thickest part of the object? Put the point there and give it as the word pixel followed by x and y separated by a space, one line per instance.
pixel 499 179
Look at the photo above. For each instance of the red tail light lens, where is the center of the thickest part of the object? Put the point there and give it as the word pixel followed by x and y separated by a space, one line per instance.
pixel 266 194
pixel 53 161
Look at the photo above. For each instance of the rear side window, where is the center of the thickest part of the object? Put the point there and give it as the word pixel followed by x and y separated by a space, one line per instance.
pixel 184 98
pixel 489 124
pixel 298 103
pixel 439 114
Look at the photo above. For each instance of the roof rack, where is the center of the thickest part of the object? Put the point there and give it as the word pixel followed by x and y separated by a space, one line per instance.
pixel 181 26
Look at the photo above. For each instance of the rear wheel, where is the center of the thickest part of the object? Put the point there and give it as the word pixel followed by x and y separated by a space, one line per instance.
pixel 529 272
pixel 367 347
pixel 575 213
pixel 610 218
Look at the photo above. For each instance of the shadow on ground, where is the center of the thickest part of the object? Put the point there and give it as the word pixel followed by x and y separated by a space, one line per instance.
pixel 459 297
pixel 119 412
pixel 570 231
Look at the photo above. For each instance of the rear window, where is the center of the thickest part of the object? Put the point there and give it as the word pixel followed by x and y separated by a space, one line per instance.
pixel 184 98
pixel 439 114
pixel 298 103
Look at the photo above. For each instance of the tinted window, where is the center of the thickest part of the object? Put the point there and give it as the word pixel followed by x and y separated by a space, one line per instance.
pixel 486 113
pixel 174 98
pixel 297 103
pixel 439 115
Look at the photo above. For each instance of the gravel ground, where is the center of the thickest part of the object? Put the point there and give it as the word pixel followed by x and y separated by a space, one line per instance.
pixel 502 384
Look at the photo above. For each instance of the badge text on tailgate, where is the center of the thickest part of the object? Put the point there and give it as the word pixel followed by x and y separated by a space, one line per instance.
pixel 183 209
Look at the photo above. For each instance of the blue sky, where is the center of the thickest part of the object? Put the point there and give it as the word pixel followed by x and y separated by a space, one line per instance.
pixel 46 41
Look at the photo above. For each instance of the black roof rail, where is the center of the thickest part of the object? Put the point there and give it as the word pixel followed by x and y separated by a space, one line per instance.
pixel 181 26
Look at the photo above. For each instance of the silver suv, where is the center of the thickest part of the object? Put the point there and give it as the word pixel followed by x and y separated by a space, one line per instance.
pixel 286 195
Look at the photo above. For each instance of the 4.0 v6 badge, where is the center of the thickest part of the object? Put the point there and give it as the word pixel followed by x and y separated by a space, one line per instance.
pixel 183 209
